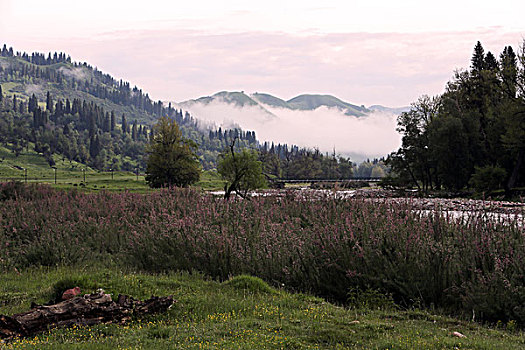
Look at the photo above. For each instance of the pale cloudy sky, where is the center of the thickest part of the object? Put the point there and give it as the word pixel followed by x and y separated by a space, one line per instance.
pixel 365 51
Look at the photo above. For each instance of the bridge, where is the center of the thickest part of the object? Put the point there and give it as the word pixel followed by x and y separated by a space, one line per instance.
pixel 281 182
pixel 354 179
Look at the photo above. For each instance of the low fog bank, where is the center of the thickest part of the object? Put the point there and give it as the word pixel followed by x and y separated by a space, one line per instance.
pixel 77 73
pixel 324 128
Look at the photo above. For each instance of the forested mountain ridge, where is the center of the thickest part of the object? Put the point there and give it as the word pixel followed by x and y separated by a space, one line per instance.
pixel 62 107
pixel 24 75
pixel 56 107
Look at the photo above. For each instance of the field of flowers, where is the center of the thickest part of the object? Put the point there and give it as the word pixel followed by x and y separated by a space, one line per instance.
pixel 329 247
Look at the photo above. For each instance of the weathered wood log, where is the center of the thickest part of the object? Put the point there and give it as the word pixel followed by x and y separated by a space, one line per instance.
pixel 87 310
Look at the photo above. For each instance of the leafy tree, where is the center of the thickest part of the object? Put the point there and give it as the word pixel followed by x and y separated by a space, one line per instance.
pixel 171 158
pixel 487 178
pixel 412 160
pixel 241 170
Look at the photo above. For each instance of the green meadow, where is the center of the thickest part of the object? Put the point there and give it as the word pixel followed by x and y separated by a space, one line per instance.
pixel 241 313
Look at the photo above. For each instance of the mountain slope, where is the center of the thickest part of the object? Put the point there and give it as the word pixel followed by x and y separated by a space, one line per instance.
pixel 23 75
pixel 270 100
pixel 311 102
pixel 71 110
pixel 263 100
pixel 236 98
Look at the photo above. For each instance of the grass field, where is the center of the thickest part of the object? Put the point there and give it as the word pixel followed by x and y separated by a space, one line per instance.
pixel 76 175
pixel 241 313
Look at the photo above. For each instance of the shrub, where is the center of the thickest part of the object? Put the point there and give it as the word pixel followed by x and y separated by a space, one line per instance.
pixel 251 284
pixel 320 245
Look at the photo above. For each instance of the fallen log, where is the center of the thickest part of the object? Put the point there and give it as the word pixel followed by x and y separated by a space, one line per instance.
pixel 86 310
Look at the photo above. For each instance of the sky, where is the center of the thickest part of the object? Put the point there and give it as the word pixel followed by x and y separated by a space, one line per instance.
pixel 364 52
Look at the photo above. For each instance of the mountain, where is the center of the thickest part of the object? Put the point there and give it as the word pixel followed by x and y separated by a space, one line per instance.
pixel 60 109
pixel 270 100
pixel 236 98
pixel 304 102
pixel 311 102
pixel 24 75
pixel 63 111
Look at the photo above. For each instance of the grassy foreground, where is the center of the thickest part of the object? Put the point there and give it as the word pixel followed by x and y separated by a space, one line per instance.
pixel 241 313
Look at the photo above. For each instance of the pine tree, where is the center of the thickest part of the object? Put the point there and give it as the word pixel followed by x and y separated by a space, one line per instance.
pixel 509 71
pixel 49 103
pixel 32 104
pixel 124 124
pixel 490 62
pixel 134 131
pixel 112 121
pixel 478 59
pixel 1 95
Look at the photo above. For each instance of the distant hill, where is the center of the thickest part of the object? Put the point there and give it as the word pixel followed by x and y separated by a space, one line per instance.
pixel 270 100
pixel 304 102
pixel 311 102
pixel 237 98
pixel 234 98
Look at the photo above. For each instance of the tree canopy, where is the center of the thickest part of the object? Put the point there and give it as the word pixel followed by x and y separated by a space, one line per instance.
pixel 172 160
pixel 241 170
pixel 471 134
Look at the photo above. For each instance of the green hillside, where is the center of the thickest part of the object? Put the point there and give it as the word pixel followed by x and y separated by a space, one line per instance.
pixel 58 108
pixel 237 98
pixel 270 100
pixel 71 80
pixel 310 102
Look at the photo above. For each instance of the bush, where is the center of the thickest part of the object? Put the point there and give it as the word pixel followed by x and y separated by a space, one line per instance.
pixel 251 284
pixel 325 246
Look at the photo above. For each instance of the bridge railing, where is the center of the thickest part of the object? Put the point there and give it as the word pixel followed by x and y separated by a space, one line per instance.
pixel 354 179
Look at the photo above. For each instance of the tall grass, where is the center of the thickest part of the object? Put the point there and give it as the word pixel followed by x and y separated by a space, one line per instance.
pixel 327 246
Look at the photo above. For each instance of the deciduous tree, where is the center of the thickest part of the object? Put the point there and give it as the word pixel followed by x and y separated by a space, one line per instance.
pixel 172 160
pixel 241 170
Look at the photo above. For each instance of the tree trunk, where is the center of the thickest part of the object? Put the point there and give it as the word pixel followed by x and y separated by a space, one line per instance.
pixel 516 171
pixel 83 311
